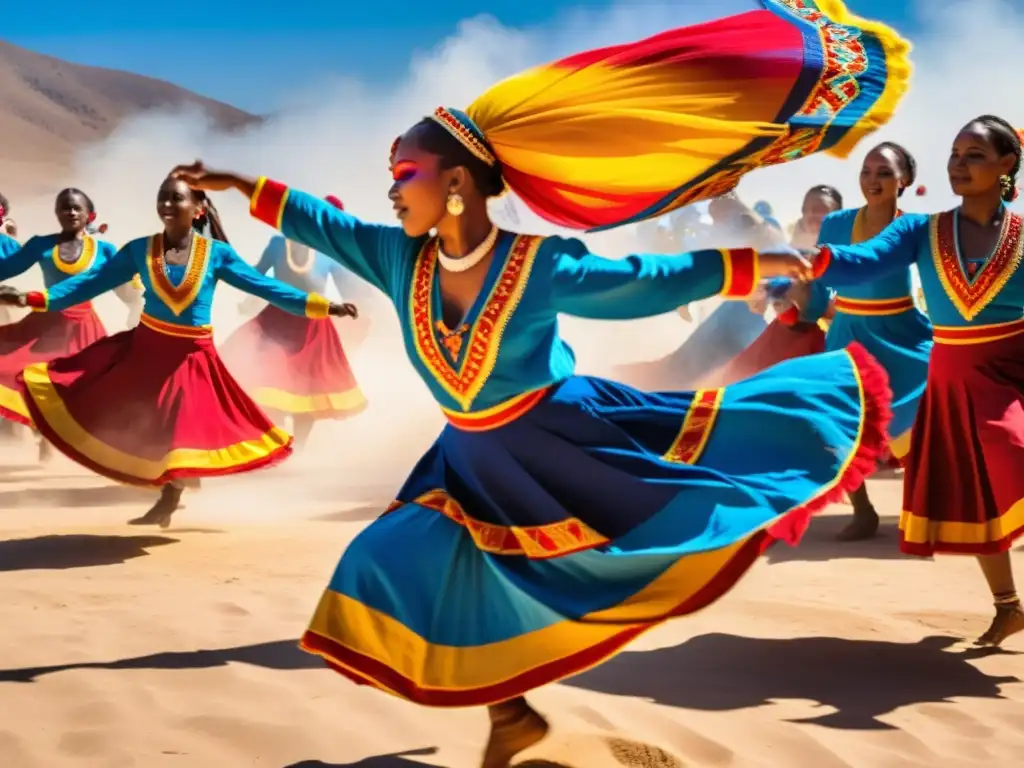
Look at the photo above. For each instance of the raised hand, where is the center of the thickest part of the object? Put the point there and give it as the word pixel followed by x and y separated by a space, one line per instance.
pixel 198 176
pixel 343 310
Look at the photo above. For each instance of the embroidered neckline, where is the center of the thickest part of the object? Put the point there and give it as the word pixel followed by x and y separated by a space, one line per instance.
pixel 857 231
pixel 970 295
pixel 82 263
pixel 463 381
pixel 178 297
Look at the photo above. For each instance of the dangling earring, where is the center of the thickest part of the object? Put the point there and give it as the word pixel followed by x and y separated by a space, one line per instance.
pixel 455 204
pixel 1005 185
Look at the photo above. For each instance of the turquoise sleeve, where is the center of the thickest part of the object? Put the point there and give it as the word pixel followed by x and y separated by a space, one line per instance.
pixel 235 272
pixel 644 285
pixel 372 251
pixel 100 278
pixel 893 249
pixel 16 259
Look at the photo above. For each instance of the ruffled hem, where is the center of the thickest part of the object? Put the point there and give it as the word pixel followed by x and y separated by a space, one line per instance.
pixel 872 445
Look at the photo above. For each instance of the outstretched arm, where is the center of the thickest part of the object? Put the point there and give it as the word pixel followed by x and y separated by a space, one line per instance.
pixel 644 285
pixel 16 259
pixel 893 249
pixel 105 276
pixel 372 251
pixel 377 254
pixel 234 271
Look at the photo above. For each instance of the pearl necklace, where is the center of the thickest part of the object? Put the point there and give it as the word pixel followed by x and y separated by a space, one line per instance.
pixel 472 258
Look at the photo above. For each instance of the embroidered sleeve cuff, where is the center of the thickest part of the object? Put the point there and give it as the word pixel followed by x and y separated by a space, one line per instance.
pixel 821 262
pixel 317 307
pixel 37 301
pixel 268 201
pixel 741 273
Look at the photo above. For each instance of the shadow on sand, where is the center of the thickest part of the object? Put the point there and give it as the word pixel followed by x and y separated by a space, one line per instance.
pixel 394 760
pixel 819 543
pixel 55 553
pixel 101 496
pixel 861 680
pixel 283 655
pixel 362 514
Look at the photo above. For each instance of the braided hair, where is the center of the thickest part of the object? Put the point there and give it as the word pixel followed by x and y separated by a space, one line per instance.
pixel 1006 141
pixel 209 220
pixel 906 160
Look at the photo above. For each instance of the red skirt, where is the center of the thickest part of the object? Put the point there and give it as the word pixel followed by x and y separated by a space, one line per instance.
pixel 963 487
pixel 294 365
pixel 778 342
pixel 38 338
pixel 150 405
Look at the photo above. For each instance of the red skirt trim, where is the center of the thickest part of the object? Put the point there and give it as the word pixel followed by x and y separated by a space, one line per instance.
pixel 145 408
pixel 294 365
pixel 963 488
pixel 39 337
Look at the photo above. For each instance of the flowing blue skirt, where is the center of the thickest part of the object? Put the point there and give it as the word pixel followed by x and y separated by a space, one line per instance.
pixel 902 345
pixel 520 555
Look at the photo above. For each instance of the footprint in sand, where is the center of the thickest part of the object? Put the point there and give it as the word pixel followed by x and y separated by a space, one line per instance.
pixel 595 751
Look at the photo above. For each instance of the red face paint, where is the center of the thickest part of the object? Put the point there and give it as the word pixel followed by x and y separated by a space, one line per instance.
pixel 403 170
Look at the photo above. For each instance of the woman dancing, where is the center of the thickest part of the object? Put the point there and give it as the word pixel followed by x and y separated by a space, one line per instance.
pixel 295 366
pixel 788 335
pixel 587 510
pixel 820 201
pixel 963 489
pixel 155 405
pixel 880 315
pixel 42 337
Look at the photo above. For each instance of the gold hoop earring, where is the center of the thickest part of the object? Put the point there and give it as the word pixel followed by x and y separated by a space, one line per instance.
pixel 455 204
pixel 1005 184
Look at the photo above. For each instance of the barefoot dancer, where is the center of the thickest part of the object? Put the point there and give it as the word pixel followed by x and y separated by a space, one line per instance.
pixel 154 405
pixel 880 315
pixel 291 365
pixel 559 516
pixel 39 338
pixel 963 488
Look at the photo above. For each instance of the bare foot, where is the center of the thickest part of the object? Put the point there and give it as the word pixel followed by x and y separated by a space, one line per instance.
pixel 1009 620
pixel 863 526
pixel 515 726
pixel 161 512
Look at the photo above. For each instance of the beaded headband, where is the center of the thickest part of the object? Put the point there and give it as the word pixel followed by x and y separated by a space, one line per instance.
pixel 462 127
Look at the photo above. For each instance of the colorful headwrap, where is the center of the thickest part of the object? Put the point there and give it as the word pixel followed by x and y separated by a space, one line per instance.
pixel 627 133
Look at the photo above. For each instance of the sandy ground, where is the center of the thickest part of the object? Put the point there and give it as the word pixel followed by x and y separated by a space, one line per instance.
pixel 175 648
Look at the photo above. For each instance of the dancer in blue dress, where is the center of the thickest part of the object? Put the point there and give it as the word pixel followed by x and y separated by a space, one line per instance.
pixel 559 516
pixel 881 315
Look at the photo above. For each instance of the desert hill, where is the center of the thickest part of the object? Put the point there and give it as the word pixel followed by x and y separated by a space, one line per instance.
pixel 49 108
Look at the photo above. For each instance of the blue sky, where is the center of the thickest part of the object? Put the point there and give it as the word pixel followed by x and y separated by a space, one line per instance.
pixel 240 52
